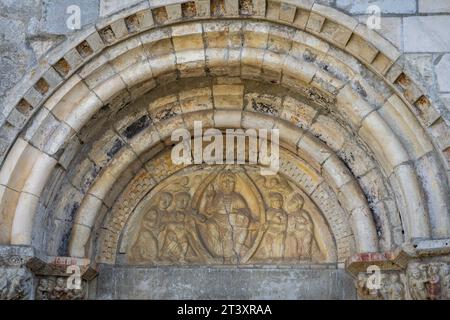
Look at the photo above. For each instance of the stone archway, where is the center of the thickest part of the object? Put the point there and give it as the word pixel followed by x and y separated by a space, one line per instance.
pixel 355 141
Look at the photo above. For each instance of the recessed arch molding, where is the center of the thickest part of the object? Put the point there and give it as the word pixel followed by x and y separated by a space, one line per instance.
pixel 87 178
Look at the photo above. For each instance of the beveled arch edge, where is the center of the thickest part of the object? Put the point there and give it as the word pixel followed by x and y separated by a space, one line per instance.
pixel 395 74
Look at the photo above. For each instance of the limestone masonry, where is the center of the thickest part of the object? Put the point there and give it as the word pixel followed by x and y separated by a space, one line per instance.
pixel 92 205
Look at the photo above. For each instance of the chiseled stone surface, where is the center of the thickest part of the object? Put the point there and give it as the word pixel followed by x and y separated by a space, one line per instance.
pixel 443 76
pixel 13 23
pixel 56 9
pixel 431 30
pixel 432 6
pixel 390 28
pixel 225 283
pixel 108 7
pixel 386 6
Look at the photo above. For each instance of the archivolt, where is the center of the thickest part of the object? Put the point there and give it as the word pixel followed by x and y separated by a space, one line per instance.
pixel 361 103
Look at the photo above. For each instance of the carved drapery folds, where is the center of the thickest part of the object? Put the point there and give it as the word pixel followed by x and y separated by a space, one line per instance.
pixel 220 215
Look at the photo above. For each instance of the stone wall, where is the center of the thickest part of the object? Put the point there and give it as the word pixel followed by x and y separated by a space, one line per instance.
pixel 316 282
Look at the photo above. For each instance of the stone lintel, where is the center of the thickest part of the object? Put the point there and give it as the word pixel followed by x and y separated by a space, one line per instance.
pixel 398 259
pixel 428 247
pixel 57 266
pixel 390 260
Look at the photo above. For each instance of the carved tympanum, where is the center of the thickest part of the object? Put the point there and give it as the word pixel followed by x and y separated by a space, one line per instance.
pixel 226 216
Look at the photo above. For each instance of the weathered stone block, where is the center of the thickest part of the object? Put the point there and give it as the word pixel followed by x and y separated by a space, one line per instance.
pixel 203 8
pixel 255 35
pixel 227 118
pixel 298 113
pixel 329 131
pixel 174 12
pixel 402 121
pixel 58 18
pixel 287 12
pixel 420 27
pixel 356 158
pixel 228 96
pixel 336 173
pixel 443 76
pixel 301 18
pixel 431 6
pixel 386 6
pixel 361 48
pixel 335 15
pixel 383 142
pixel 315 22
pixel 196 99
pixel 108 7
pixel 133 283
pixel 231 7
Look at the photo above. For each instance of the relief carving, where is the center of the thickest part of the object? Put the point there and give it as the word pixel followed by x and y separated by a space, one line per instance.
pixel 55 288
pixel 224 216
pixel 416 282
pixel 300 231
pixel 420 281
pixel 15 284
pixel 433 283
pixel 393 288
pixel 229 221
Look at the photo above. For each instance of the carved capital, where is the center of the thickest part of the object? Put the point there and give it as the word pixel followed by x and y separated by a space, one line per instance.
pixel 16 281
pixel 60 288
pixel 25 275
pixel 416 271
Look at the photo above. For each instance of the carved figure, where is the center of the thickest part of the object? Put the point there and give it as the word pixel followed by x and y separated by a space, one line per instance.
pixel 393 288
pixel 174 237
pixel 416 282
pixel 272 245
pixel 300 231
pixel 43 291
pixel 51 288
pixel 228 219
pixel 433 283
pixel 17 287
pixel 147 244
